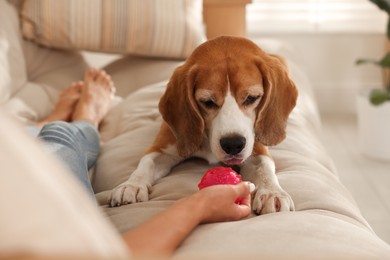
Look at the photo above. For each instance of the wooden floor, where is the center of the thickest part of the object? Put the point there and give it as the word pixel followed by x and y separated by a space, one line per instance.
pixel 368 180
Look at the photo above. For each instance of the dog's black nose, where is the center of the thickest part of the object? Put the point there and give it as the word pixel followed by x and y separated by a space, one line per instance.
pixel 233 145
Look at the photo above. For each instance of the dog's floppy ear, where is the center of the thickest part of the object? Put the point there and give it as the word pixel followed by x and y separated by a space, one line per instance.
pixel 280 95
pixel 180 111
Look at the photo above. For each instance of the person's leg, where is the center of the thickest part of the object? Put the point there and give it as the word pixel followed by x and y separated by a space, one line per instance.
pixel 63 108
pixel 76 144
pixel 33 130
pixel 65 105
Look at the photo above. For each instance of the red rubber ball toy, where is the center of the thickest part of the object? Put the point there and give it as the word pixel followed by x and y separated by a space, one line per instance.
pixel 220 175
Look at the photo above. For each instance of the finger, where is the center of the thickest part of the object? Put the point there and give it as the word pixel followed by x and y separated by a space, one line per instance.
pixel 245 207
pixel 246 201
pixel 243 189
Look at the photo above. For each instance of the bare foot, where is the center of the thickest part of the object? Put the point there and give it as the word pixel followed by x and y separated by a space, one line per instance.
pixel 65 105
pixel 96 96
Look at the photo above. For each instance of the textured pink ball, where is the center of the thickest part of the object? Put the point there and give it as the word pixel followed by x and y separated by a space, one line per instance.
pixel 220 175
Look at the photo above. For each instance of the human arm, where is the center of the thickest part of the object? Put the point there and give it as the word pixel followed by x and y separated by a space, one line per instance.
pixel 165 232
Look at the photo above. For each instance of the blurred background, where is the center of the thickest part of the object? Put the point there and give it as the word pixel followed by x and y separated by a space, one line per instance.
pixel 327 37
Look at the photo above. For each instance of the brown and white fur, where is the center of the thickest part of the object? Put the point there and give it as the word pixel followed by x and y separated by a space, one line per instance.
pixel 226 103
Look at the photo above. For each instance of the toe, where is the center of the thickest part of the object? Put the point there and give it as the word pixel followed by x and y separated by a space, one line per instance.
pixel 90 74
pixel 100 75
pixel 143 194
pixel 76 86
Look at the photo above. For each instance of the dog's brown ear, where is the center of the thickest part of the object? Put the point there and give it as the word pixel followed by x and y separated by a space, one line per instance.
pixel 180 110
pixel 280 95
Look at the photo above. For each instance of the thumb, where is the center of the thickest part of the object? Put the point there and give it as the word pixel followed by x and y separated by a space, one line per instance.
pixel 243 189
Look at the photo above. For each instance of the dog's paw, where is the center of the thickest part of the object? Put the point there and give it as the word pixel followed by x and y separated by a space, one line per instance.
pixel 129 192
pixel 269 201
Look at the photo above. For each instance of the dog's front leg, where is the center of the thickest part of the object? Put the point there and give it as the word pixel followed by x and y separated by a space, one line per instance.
pixel 155 164
pixel 151 167
pixel 269 196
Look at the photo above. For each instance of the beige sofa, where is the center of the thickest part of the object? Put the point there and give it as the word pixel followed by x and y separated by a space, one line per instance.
pixel 46 214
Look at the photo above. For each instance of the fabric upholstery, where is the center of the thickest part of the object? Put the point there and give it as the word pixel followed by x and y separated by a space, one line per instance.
pixel 44 211
pixel 157 28
pixel 12 62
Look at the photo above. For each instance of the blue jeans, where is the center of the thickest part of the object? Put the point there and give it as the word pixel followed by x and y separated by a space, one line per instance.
pixel 76 144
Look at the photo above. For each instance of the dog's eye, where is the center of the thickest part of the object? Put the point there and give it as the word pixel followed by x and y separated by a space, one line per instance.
pixel 250 100
pixel 209 104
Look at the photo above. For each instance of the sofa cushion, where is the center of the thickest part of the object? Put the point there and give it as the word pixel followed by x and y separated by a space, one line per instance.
pixel 45 212
pixel 12 63
pixel 159 28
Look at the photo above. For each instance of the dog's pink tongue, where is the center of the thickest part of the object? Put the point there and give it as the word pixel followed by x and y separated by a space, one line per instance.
pixel 220 175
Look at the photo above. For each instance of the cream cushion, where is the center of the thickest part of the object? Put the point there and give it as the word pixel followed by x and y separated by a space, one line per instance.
pixel 44 211
pixel 158 28
pixel 46 79
pixel 12 63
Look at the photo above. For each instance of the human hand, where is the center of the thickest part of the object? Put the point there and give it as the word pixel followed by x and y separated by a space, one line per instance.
pixel 217 203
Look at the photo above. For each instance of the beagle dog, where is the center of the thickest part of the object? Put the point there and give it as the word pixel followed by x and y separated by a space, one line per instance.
pixel 226 103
